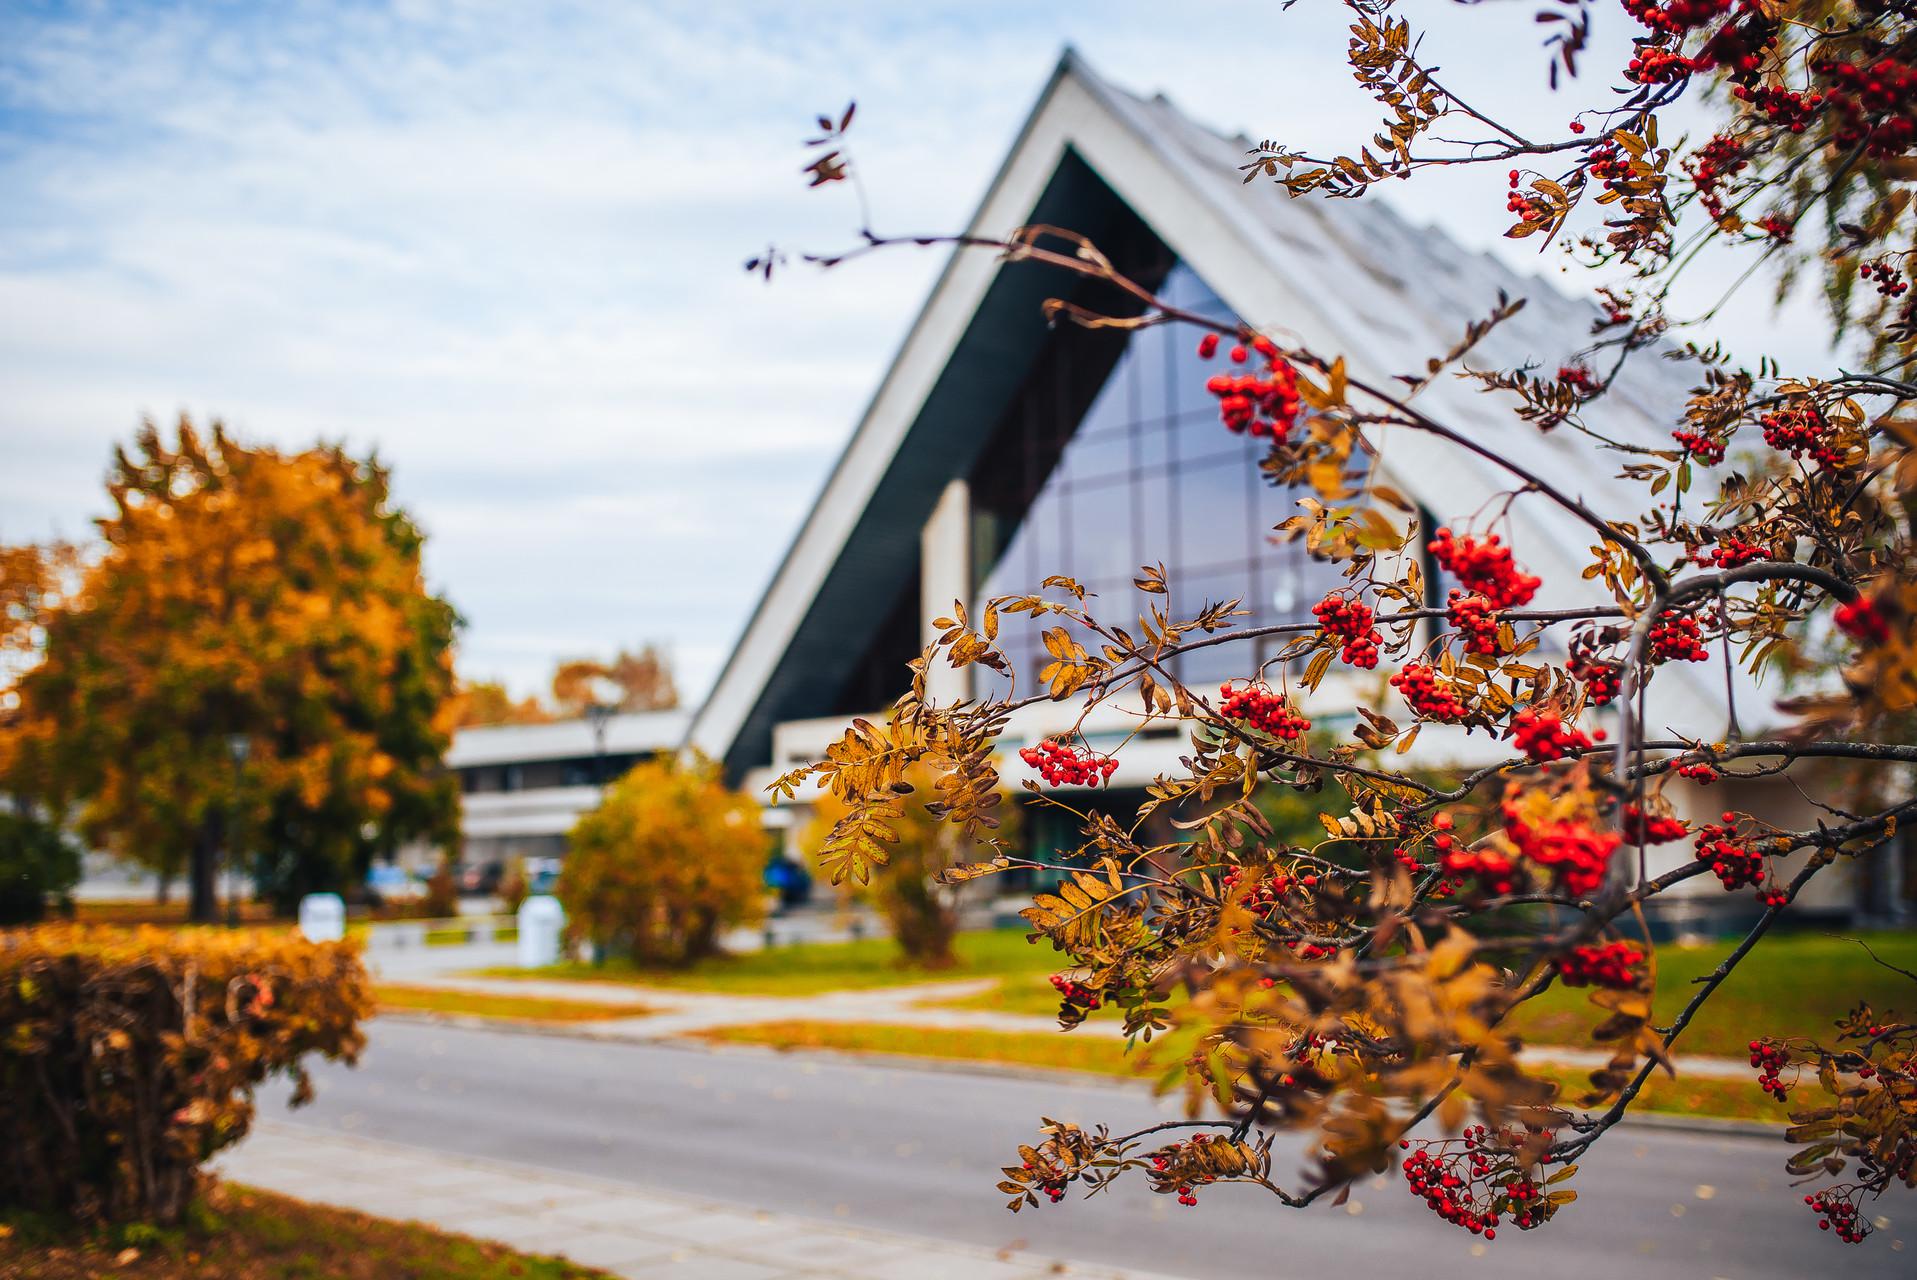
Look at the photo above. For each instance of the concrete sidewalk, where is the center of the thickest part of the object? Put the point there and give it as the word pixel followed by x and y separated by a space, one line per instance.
pixel 625 1230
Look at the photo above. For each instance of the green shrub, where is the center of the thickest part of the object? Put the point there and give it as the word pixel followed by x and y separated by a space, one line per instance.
pixel 130 1056
pixel 37 863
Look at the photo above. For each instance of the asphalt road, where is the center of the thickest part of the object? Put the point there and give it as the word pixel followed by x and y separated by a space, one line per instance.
pixel 917 1151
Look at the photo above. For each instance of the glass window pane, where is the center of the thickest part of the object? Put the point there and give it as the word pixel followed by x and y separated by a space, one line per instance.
pixel 1098 456
pixel 1214 515
pixel 1101 532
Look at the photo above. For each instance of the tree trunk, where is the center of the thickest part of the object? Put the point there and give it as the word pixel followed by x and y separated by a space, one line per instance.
pixel 203 906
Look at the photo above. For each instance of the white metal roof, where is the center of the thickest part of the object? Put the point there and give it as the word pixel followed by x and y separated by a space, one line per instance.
pixel 634 732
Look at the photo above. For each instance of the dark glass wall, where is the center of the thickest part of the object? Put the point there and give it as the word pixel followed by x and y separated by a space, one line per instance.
pixel 1149 475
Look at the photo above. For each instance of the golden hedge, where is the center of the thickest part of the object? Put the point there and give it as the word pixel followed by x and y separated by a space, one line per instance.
pixel 129 1056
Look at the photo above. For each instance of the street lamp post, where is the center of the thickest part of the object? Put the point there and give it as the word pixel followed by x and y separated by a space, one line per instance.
pixel 604 696
pixel 239 747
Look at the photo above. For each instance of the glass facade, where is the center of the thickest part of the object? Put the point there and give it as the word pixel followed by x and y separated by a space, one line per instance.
pixel 1150 476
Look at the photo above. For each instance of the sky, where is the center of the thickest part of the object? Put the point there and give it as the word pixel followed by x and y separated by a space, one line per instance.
pixel 501 244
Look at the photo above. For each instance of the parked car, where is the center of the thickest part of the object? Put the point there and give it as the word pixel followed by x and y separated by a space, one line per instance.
pixel 789 880
pixel 388 883
pixel 481 877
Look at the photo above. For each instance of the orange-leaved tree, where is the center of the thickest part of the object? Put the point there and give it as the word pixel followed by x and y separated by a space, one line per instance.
pixel 669 858
pixel 484 702
pixel 250 660
pixel 643 681
pixel 1360 986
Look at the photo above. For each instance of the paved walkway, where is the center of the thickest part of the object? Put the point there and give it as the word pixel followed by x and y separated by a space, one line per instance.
pixel 679 1013
pixel 646 1235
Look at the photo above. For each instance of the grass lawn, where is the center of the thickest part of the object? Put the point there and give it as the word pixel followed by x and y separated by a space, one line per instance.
pixel 1060 1051
pixel 481 1004
pixel 1791 984
pixel 810 968
pixel 1729 1099
pixel 254 1235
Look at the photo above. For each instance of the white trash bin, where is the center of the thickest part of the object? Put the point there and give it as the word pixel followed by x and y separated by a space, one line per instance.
pixel 541 921
pixel 322 917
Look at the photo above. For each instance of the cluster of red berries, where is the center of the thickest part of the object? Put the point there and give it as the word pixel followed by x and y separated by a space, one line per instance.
pixel 1839 1214
pixel 1264 405
pixel 1495 871
pixel 1474 1186
pixel 1777 227
pixel 1739 47
pixel 1676 637
pixel 1476 619
pixel 1610 964
pixel 1863 621
pixel 1264 891
pixel 1876 104
pixel 1528 208
pixel 1430 699
pixel 1706 449
pixel 1734 864
pixel 1165 1158
pixel 1770 1059
pixel 1675 17
pixel 1602 679
pixel 1263 710
pixel 1652 64
pixel 1577 856
pixel 1351 620
pixel 1888 279
pixel 1657 828
pixel 1062 764
pixel 1052 1184
pixel 1732 551
pixel 1785 108
pixel 1075 994
pixel 1799 429
pixel 1484 567
pixel 1608 162
pixel 1544 736
pixel 1699 772
pixel 1711 166
pixel 1576 376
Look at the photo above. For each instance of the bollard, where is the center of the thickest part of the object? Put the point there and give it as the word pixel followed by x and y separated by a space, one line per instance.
pixel 322 917
pixel 541 921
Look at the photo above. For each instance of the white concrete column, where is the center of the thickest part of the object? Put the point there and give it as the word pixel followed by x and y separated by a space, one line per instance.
pixel 945 575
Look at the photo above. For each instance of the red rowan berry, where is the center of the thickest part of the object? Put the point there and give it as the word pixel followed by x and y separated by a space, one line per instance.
pixel 1485 568
pixel 1061 764
pixel 1263 710
pixel 1350 620
pixel 1657 828
pixel 1863 621
pixel 1610 964
pixel 1427 697
pixel 1545 737
pixel 1476 619
pixel 1676 637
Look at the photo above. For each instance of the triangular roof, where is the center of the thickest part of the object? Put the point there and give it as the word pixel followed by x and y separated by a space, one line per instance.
pixel 1349 276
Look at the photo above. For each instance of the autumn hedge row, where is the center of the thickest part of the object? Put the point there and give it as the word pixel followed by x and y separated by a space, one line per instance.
pixel 130 1056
